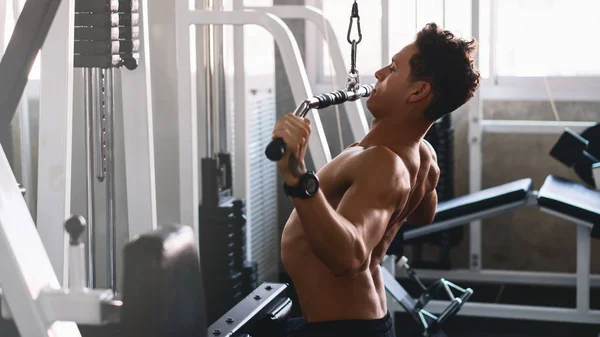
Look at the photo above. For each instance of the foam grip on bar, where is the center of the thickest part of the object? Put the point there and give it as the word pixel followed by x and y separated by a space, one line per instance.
pixel 332 98
pixel 163 290
pixel 275 150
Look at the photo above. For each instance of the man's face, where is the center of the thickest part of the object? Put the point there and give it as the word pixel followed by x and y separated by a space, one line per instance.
pixel 393 84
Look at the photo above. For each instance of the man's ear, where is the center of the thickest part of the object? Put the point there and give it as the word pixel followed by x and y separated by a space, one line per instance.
pixel 418 91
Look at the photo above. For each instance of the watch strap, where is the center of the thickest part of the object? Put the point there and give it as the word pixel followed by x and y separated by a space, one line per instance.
pixel 298 191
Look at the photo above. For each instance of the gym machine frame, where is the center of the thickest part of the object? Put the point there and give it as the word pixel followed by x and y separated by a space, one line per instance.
pixel 21 122
pixel 187 95
pixel 358 121
pixel 56 109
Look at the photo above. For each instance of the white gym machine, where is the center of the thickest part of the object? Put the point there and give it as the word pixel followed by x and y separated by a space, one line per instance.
pixel 57 92
pixel 34 259
pixel 270 19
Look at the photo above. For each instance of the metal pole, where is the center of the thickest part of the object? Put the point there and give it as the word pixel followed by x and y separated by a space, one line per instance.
pixel 475 151
pixel 208 83
pixel 90 118
pixel 493 53
pixel 385 32
pixel 220 93
pixel 583 269
pixel 111 238
pixel 215 84
pixel 444 14
pixel 208 64
pixel 3 25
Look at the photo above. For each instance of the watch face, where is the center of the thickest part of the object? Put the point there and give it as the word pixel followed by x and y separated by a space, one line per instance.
pixel 311 185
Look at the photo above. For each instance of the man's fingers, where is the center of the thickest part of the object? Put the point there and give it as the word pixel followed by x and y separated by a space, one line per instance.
pixel 295 132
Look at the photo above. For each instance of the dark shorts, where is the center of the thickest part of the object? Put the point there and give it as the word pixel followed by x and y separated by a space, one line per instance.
pixel 298 327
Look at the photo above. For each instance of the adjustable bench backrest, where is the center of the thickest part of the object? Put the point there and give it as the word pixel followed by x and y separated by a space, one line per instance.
pixel 483 200
pixel 475 206
pixel 571 199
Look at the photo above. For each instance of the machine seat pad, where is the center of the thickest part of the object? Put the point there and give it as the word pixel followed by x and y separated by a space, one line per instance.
pixel 484 200
pixel 570 198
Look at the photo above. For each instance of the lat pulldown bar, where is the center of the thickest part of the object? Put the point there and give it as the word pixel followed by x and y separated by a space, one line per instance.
pixel 276 148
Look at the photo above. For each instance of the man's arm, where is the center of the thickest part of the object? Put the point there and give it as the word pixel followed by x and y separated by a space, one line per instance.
pixel 344 239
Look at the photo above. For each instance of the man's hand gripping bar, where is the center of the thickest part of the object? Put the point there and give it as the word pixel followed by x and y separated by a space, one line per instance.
pixel 276 148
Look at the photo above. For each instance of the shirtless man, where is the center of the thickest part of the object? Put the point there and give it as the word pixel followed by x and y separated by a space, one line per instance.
pixel 338 234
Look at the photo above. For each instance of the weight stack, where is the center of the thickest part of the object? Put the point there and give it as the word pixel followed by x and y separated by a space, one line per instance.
pixel 222 231
pixel 250 277
pixel 106 34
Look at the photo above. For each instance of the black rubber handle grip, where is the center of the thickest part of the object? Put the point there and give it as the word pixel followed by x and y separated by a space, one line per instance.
pixel 275 150
pixel 332 98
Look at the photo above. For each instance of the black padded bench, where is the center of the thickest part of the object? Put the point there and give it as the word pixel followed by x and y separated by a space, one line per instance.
pixel 475 206
pixel 571 199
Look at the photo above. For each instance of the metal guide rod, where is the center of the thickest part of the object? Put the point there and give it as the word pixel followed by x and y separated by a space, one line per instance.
pixel 110 179
pixel 220 98
pixel 215 95
pixel 90 117
pixel 207 31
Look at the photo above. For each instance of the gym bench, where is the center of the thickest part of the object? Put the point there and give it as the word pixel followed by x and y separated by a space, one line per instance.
pixel 557 196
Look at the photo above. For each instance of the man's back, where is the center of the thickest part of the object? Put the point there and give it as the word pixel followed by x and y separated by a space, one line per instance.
pixel 325 296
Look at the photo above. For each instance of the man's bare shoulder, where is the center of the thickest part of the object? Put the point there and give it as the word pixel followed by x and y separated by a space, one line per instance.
pixel 380 165
pixel 429 149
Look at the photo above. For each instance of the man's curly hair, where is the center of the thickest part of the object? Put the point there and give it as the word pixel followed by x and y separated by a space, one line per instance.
pixel 447 63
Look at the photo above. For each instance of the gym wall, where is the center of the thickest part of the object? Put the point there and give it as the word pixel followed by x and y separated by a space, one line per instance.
pixel 526 239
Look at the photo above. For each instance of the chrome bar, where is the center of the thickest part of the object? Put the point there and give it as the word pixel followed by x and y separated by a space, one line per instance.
pixel 583 269
pixel 90 119
pixel 111 238
pixel 533 127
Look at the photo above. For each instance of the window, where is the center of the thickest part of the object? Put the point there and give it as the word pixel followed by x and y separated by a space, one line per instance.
pixel 368 56
pixel 531 38
pixel 259 57
pixel 405 19
pixel 547 38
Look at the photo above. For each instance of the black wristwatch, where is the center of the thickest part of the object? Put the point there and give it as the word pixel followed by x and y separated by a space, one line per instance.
pixel 307 187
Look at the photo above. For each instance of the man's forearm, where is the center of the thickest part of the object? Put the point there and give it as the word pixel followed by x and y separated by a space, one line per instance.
pixel 331 237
